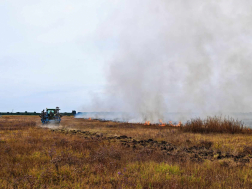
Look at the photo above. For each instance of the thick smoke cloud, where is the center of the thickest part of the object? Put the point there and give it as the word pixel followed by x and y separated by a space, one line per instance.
pixel 180 56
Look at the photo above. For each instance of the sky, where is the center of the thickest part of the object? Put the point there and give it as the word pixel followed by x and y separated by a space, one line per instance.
pixel 52 53
pixel 142 56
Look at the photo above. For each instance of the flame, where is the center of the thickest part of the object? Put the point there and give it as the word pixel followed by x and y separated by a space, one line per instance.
pixel 164 124
pixel 178 125
pixel 147 123
pixel 161 123
pixel 89 118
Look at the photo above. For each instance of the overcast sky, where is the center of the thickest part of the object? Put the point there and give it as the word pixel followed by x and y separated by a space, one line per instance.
pixel 53 53
pixel 148 56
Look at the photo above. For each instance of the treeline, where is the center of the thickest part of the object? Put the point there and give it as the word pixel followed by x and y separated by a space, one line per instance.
pixel 33 113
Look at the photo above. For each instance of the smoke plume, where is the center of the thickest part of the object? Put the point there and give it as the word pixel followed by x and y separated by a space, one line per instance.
pixel 180 56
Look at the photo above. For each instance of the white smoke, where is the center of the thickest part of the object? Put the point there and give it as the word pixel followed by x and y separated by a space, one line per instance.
pixel 180 56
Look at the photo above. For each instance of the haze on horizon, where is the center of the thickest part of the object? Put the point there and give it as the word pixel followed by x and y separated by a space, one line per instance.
pixel 144 56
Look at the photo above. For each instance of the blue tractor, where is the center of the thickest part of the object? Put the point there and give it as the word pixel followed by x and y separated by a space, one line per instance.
pixel 50 116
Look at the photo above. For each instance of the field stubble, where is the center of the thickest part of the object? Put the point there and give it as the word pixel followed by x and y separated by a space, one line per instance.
pixel 93 154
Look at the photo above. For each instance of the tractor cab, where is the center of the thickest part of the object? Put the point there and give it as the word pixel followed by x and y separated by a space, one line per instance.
pixel 49 111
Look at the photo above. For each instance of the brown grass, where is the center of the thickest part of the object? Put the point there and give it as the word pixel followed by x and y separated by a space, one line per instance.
pixel 33 157
pixel 15 124
pixel 215 125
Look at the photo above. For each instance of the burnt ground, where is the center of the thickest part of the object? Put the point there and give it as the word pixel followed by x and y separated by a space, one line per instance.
pixel 196 153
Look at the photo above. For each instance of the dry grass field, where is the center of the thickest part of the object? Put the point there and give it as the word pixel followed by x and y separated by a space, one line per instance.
pixel 83 153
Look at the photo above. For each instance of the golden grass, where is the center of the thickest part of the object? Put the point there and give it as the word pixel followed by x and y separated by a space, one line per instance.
pixel 33 157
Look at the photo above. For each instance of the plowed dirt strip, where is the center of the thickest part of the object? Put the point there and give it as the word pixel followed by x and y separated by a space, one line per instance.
pixel 197 153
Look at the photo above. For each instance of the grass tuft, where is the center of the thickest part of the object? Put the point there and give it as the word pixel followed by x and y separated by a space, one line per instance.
pixel 215 125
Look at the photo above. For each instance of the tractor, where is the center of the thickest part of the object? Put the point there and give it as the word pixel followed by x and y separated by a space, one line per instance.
pixel 50 116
